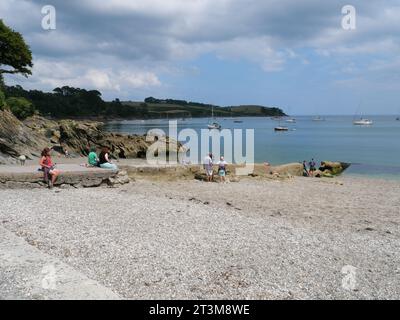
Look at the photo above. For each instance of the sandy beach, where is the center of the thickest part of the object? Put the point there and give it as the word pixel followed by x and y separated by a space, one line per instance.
pixel 254 239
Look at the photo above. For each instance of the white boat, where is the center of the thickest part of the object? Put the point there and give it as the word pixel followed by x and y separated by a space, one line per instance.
pixel 214 125
pixel 318 118
pixel 363 122
pixel 280 128
pixel 292 120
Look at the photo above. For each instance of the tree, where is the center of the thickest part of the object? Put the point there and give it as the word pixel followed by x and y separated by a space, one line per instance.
pixel 2 100
pixel 20 107
pixel 2 84
pixel 15 54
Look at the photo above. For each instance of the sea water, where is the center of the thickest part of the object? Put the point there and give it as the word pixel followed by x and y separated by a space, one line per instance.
pixel 373 150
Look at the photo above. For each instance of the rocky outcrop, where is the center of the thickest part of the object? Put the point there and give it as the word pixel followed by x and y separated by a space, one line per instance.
pixel 261 171
pixel 17 139
pixel 31 136
pixel 329 168
pixel 78 137
pixel 282 172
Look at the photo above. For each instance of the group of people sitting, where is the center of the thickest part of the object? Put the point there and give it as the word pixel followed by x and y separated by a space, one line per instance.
pixel 51 173
pixel 209 168
pixel 102 161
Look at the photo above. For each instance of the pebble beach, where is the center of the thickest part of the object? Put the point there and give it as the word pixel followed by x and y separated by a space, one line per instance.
pixel 254 239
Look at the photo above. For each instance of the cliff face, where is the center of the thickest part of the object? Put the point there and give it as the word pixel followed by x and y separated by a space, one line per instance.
pixel 31 136
pixel 17 139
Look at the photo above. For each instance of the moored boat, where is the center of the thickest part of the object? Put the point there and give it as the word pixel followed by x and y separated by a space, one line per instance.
pixel 363 122
pixel 280 128
pixel 214 125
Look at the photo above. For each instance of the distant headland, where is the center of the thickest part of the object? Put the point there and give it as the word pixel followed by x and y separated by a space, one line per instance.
pixel 69 102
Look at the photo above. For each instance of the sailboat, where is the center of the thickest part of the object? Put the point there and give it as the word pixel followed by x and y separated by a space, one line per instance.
pixel 291 120
pixel 318 118
pixel 214 125
pixel 362 121
pixel 281 128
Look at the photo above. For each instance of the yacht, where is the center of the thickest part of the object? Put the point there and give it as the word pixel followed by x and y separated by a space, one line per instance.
pixel 280 128
pixel 363 122
pixel 215 124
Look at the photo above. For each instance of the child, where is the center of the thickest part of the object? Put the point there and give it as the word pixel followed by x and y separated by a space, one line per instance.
pixel 222 169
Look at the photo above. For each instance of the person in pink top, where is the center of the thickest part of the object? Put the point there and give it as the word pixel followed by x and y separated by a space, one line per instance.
pixel 48 168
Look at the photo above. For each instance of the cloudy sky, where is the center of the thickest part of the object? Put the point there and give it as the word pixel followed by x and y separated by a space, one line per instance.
pixel 288 53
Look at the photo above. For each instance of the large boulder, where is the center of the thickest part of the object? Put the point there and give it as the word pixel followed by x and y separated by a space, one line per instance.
pixel 17 139
pixel 77 136
pixel 330 168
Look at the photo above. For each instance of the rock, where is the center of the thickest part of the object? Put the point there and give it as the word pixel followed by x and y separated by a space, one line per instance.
pixel 35 133
pixel 291 169
pixel 329 168
pixel 200 176
pixel 17 139
pixel 66 186
pixel 78 137
pixel 120 179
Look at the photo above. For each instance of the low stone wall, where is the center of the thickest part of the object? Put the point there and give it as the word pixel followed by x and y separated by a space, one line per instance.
pixel 188 172
pixel 13 177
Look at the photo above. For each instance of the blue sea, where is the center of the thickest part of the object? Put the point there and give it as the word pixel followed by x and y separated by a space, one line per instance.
pixel 373 150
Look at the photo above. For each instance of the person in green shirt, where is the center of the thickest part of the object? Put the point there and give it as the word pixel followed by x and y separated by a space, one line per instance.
pixel 92 158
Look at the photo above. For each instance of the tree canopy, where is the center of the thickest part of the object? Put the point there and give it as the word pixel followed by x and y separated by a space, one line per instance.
pixel 2 100
pixel 20 107
pixel 15 55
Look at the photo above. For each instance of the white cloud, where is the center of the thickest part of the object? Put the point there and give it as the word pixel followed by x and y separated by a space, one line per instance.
pixel 49 74
pixel 127 44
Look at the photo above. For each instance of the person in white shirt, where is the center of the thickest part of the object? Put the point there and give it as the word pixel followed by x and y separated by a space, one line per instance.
pixel 208 167
pixel 222 169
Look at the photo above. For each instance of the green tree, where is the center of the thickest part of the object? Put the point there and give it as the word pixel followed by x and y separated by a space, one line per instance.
pixel 2 100
pixel 20 107
pixel 15 55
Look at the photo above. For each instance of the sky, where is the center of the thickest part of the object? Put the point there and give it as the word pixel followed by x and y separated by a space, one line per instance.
pixel 291 54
